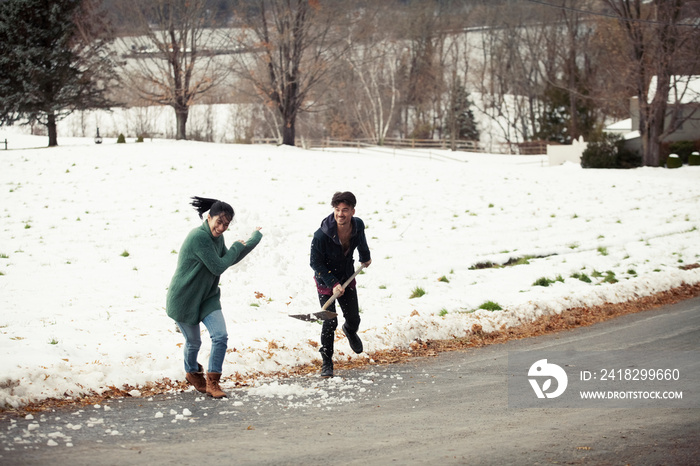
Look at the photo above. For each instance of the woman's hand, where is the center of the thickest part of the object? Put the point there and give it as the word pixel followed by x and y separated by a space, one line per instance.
pixel 243 242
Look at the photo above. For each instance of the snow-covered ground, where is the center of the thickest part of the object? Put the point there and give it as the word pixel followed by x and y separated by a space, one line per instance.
pixel 90 233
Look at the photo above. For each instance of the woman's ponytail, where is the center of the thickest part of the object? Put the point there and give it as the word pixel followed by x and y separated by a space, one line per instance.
pixel 202 204
pixel 215 206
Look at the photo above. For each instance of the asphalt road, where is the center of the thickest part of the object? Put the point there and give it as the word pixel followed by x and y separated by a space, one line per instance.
pixel 451 409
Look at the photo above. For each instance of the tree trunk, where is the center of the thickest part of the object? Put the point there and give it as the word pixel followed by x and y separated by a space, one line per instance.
pixel 51 127
pixel 288 132
pixel 652 156
pixel 181 122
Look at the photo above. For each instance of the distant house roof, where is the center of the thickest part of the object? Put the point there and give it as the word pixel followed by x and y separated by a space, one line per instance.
pixel 620 127
pixel 684 89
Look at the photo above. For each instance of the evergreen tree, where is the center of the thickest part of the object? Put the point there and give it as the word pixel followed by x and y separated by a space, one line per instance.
pixel 556 119
pixel 460 118
pixel 53 61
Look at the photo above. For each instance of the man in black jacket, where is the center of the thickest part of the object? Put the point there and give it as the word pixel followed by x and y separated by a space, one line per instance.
pixel 332 249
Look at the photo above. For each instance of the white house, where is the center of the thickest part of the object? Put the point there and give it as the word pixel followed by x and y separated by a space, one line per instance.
pixel 683 106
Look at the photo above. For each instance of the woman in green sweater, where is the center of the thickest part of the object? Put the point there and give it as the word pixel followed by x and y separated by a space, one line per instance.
pixel 194 295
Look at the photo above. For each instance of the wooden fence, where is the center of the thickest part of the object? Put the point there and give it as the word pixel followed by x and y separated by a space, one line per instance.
pixel 526 148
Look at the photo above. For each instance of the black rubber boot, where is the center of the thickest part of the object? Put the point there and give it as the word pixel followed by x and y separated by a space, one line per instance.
pixel 353 339
pixel 327 366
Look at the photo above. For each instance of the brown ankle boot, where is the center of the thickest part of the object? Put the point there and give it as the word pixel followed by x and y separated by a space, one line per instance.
pixel 197 379
pixel 213 388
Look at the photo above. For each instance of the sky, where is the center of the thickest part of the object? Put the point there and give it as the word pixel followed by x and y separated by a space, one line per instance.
pixel 90 234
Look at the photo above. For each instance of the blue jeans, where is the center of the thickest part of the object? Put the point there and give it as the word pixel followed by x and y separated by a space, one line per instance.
pixel 216 325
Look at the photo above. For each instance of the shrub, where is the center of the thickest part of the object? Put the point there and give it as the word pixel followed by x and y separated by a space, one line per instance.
pixel 608 151
pixel 121 139
pixel 139 139
pixel 682 148
pixel 694 158
pixel 674 161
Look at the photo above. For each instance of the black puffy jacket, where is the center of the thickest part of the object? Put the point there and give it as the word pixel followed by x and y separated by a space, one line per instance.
pixel 329 263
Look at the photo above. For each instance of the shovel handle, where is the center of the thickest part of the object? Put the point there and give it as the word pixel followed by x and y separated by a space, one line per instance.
pixel 347 282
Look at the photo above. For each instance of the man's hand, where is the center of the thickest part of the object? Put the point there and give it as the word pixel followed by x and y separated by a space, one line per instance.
pixel 338 290
pixel 366 264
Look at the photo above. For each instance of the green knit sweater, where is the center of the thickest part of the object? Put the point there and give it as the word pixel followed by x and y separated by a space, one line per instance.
pixel 194 290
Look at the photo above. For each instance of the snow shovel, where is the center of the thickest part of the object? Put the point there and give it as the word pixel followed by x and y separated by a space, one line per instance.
pixel 323 314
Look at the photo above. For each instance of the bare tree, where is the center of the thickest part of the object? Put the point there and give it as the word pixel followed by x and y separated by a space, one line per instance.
pixel 657 44
pixel 508 75
pixel 423 83
pixel 569 69
pixel 172 57
pixel 294 45
pixel 374 57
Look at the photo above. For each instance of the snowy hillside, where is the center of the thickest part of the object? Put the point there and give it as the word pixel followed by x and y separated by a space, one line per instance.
pixel 90 234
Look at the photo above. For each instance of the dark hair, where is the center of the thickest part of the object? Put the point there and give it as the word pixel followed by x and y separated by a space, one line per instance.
pixel 214 206
pixel 344 198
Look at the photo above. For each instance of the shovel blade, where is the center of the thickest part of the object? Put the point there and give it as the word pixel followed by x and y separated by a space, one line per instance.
pixel 314 316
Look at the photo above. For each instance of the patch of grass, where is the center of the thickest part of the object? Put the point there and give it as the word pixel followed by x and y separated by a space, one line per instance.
pixel 417 292
pixel 443 312
pixel 603 251
pixel 53 341
pixel 491 306
pixel 4 256
pixel 483 265
pixel 607 277
pixel 125 253
pixel 525 260
pixel 443 279
pixel 544 281
pixel 582 276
